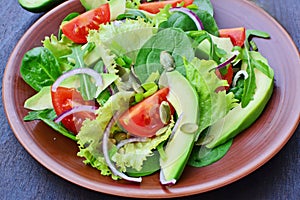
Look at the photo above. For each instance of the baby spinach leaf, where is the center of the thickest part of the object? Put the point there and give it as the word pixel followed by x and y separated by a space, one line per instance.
pixel 39 68
pixel 184 22
pixel 202 156
pixel 47 116
pixel 179 20
pixel 172 40
pixel 208 22
pixel 204 5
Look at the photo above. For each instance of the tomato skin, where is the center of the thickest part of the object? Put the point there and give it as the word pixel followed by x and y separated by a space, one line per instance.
pixel 143 119
pixel 65 99
pixel 228 77
pixel 154 7
pixel 236 35
pixel 78 28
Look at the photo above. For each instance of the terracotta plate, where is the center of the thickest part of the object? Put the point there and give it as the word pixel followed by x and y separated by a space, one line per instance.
pixel 250 150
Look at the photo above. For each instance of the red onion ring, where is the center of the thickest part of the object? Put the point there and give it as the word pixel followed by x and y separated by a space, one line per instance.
pixel 238 75
pixel 106 153
pixel 163 180
pixel 75 110
pixel 191 14
pixel 97 77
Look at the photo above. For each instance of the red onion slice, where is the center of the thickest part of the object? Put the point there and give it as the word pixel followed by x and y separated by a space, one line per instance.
pixel 106 153
pixel 238 75
pixel 176 126
pixel 97 77
pixel 191 14
pixel 75 110
pixel 163 180
pixel 228 61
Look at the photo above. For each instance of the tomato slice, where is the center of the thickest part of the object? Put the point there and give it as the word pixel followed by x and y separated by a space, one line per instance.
pixel 228 77
pixel 143 119
pixel 65 99
pixel 78 28
pixel 154 7
pixel 236 35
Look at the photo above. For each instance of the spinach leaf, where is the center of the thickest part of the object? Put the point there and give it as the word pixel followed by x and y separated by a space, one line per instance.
pixel 208 22
pixel 132 14
pixel 39 68
pixel 202 156
pixel 184 22
pixel 172 40
pixel 205 5
pixel 179 20
pixel 47 116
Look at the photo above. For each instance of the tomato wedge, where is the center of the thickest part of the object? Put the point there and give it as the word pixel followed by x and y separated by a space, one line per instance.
pixel 64 99
pixel 78 28
pixel 228 77
pixel 143 119
pixel 154 7
pixel 236 35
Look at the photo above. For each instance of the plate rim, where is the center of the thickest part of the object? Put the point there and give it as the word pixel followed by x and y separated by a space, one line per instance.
pixel 51 166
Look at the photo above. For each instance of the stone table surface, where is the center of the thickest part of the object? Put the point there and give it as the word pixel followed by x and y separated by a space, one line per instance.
pixel 22 177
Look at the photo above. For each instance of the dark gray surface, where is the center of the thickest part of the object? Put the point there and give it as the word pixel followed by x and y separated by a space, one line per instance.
pixel 22 177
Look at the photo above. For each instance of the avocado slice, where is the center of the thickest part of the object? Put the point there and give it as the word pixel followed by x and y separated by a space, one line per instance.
pixel 241 118
pixel 185 101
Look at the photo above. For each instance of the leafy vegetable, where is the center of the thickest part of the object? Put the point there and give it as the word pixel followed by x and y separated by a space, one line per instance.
pixel 202 156
pixel 134 154
pixel 87 88
pixel 184 22
pixel 213 106
pixel 47 116
pixel 205 5
pixel 90 136
pixel 40 68
pixel 136 32
pixel 172 40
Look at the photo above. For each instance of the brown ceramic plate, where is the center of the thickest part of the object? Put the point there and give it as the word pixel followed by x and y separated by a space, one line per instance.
pixel 251 149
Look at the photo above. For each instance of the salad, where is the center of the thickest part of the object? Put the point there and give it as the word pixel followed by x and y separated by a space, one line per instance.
pixel 146 87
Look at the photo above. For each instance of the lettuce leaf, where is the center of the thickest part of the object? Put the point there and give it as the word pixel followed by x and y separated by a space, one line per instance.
pixel 112 35
pixel 90 136
pixel 213 106
pixel 134 154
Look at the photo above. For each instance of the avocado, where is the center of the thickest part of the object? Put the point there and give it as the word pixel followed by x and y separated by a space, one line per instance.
pixel 241 118
pixel 184 99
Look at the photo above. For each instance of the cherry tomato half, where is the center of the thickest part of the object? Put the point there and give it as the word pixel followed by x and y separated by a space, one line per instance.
pixel 143 119
pixel 236 35
pixel 154 7
pixel 78 28
pixel 228 77
pixel 65 99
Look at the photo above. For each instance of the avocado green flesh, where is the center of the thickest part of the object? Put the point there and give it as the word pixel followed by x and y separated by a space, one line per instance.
pixel 241 118
pixel 184 99
pixel 39 5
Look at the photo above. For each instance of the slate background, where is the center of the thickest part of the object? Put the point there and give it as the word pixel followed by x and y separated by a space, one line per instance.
pixel 22 177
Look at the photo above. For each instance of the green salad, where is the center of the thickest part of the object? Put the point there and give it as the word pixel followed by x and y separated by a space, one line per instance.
pixel 146 87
